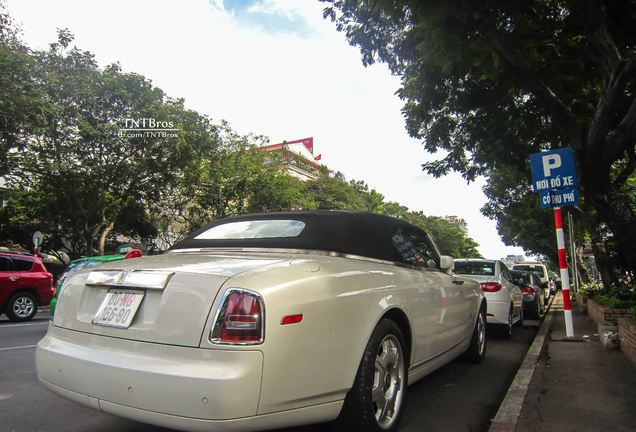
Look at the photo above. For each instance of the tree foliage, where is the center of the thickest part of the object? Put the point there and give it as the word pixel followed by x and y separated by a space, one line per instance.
pixel 489 82
pixel 88 169
pixel 77 173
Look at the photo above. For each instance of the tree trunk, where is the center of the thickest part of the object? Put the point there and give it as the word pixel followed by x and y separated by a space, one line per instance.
pixel 602 259
pixel 584 274
pixel 601 256
pixel 615 211
pixel 88 238
pixel 103 236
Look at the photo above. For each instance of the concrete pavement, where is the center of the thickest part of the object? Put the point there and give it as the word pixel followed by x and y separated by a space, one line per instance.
pixel 570 384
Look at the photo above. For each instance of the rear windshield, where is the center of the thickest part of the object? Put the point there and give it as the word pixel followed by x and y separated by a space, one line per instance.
pixel 521 278
pixel 538 269
pixel 477 268
pixel 256 229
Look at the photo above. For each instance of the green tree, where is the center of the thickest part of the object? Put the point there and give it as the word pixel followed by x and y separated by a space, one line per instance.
pixel 490 82
pixel 371 200
pixel 22 102
pixel 332 192
pixel 449 238
pixel 236 179
pixel 81 160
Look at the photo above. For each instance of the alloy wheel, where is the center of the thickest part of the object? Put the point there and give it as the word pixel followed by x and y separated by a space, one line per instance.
pixel 23 307
pixel 388 381
pixel 481 333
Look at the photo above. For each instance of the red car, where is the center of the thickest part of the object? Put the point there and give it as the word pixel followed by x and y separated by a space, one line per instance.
pixel 25 284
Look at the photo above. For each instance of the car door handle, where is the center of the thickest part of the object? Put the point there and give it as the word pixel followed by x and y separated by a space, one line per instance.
pixel 13 278
pixel 458 281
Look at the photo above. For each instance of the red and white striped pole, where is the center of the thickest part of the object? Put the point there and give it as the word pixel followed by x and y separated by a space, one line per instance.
pixel 565 277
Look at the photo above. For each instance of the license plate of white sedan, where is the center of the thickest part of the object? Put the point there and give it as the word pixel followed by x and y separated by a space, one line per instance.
pixel 118 308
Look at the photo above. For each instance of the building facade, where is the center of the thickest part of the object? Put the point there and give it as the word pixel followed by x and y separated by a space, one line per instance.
pixel 298 156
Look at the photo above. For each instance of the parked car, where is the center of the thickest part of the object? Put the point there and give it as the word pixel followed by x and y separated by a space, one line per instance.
pixel 264 321
pixel 533 295
pixel 505 300
pixel 82 263
pixel 542 271
pixel 25 284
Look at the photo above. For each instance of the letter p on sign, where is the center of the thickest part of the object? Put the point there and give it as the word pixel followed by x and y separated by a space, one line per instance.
pixel 550 162
pixel 549 168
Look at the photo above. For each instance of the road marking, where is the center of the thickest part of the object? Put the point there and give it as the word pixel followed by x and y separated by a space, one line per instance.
pixel 23 325
pixel 5 396
pixel 17 347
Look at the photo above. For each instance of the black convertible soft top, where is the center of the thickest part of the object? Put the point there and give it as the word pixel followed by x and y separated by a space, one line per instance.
pixel 349 232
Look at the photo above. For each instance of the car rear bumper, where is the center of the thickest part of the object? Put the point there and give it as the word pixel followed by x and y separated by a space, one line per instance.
pixel 497 312
pixel 307 415
pixel 166 385
pixel 529 298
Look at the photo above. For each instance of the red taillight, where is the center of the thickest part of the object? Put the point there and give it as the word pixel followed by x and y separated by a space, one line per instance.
pixel 490 286
pixel 240 319
pixel 291 319
pixel 527 290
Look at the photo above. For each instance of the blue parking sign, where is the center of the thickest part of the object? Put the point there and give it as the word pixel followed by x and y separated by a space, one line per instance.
pixel 553 169
pixel 559 198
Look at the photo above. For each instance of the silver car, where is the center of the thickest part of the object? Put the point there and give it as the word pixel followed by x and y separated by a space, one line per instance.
pixel 265 321
pixel 533 295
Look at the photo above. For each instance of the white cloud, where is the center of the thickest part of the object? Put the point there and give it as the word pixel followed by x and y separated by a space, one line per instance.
pixel 289 9
pixel 284 85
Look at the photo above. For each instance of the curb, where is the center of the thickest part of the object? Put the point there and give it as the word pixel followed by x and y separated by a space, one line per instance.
pixel 508 413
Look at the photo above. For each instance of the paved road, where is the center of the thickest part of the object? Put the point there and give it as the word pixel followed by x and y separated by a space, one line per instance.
pixel 459 397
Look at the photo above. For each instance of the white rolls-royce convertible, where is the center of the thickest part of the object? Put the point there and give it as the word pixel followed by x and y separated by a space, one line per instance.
pixel 264 321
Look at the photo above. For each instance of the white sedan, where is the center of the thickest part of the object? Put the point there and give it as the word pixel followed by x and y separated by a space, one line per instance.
pixel 265 321
pixel 505 299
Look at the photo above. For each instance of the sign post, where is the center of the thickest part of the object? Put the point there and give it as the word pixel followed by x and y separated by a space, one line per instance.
pixel 37 242
pixel 554 177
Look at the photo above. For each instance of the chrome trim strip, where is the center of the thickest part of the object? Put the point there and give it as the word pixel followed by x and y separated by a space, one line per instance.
pixel 423 362
pixel 118 278
pixel 217 341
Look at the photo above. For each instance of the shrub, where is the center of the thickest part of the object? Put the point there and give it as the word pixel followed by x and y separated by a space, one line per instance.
pixel 591 289
pixel 616 296
pixel 614 303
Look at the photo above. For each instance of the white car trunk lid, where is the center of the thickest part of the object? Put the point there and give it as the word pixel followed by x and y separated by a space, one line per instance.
pixel 173 313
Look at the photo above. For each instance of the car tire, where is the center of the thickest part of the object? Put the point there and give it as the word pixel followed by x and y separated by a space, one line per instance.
pixel 476 351
pixel 376 401
pixel 22 306
pixel 543 309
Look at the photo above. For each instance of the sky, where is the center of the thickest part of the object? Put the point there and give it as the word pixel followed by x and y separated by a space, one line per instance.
pixel 273 68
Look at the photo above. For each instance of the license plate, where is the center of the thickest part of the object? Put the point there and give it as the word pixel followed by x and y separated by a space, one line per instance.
pixel 118 308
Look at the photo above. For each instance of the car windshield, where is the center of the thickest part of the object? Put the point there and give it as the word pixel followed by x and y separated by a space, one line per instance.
pixel 256 229
pixel 477 268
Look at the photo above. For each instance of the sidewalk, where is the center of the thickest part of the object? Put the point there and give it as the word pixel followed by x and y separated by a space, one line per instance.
pixel 577 385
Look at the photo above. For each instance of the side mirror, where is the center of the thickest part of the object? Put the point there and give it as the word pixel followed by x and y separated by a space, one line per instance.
pixel 446 263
